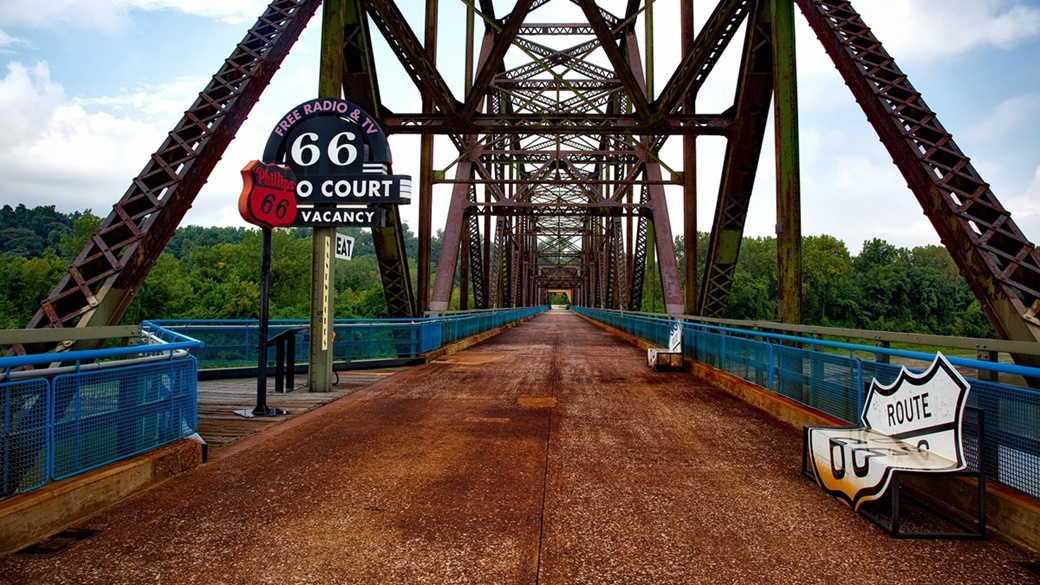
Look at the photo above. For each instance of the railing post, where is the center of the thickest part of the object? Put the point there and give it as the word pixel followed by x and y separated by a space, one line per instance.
pixel 986 355
pixel 279 363
pixel 882 358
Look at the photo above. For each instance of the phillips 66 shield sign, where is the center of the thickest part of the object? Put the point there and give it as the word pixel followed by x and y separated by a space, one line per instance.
pixel 267 195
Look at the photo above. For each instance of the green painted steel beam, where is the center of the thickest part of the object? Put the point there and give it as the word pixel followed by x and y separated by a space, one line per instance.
pixel 754 91
pixel 788 186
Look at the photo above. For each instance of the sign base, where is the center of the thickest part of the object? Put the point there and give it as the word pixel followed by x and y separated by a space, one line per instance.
pixel 254 413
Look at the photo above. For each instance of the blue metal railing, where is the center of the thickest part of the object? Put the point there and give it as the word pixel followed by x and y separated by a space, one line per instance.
pixel 830 377
pixel 96 407
pixel 100 406
pixel 233 343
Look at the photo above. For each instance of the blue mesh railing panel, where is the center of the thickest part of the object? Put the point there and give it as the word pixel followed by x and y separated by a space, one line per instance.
pixel 709 348
pixel 835 385
pixel 1012 434
pixel 748 359
pixel 234 343
pixel 792 373
pixel 106 415
pixel 24 423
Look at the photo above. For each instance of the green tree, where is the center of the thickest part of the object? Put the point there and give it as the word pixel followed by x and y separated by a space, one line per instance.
pixel 827 281
pixel 72 242
pixel 23 242
pixel 188 238
pixel 166 293
pixel 753 295
pixel 26 283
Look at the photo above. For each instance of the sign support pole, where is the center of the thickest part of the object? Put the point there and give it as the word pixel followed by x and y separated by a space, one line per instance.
pixel 319 371
pixel 265 294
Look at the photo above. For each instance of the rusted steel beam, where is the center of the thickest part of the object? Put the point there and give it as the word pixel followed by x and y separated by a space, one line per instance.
pixel 492 61
pixel 558 124
pixel 426 171
pixel 664 243
pixel 689 172
pixel 108 272
pixel 998 262
pixel 754 90
pixel 451 240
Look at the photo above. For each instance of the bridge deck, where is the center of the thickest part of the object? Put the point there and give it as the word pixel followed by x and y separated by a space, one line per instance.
pixel 549 454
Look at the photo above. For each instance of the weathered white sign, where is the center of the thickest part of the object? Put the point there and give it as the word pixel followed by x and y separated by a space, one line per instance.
pixel 914 424
pixel 675 338
pixel 344 246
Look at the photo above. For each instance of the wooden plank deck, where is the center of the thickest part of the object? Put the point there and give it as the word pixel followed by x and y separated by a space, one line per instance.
pixel 218 399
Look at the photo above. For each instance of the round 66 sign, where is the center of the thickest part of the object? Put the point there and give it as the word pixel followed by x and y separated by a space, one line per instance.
pixel 340 159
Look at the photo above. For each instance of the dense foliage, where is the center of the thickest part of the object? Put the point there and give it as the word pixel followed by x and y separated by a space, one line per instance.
pixel 213 273
pixel 884 288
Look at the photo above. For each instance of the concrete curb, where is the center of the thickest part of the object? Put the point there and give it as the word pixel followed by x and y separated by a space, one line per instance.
pixel 28 517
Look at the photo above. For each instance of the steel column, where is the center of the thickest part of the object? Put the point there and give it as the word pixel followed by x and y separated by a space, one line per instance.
pixel 451 239
pixel 788 189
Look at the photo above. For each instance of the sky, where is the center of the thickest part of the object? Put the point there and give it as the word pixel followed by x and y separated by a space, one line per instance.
pixel 90 88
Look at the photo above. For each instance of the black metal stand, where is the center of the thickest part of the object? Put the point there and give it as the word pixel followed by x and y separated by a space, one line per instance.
pixel 285 359
pixel 261 408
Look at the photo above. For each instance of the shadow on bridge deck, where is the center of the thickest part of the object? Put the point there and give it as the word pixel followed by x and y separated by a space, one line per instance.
pixel 548 454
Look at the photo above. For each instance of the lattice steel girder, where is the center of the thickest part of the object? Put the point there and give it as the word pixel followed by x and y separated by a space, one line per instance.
pixel 697 63
pixel 606 209
pixel 754 90
pixel 1000 264
pixel 632 85
pixel 476 263
pixel 360 82
pixel 639 256
pixel 492 61
pixel 107 273
pixel 557 124
pixel 393 266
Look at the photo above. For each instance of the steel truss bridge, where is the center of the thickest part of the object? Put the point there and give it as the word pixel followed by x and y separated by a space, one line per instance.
pixel 558 180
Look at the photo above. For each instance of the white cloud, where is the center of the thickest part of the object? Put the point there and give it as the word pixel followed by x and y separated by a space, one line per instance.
pixel 1025 209
pixel 230 11
pixel 26 94
pixel 112 14
pixel 927 30
pixel 1007 118
pixel 61 153
pixel 7 41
